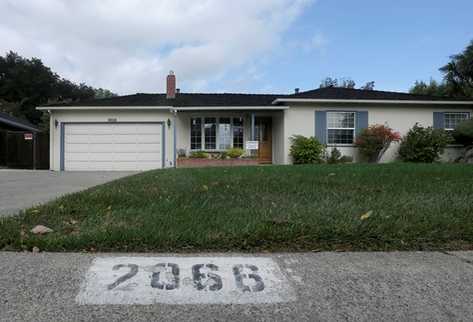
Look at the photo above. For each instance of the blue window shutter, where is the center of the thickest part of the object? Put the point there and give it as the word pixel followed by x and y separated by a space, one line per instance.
pixel 439 120
pixel 321 126
pixel 361 121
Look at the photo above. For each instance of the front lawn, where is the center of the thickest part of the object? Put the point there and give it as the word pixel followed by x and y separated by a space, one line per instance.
pixel 320 207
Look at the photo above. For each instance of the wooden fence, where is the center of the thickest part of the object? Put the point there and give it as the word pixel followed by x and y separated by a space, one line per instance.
pixel 24 150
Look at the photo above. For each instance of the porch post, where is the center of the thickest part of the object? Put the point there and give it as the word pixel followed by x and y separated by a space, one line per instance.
pixel 175 139
pixel 252 126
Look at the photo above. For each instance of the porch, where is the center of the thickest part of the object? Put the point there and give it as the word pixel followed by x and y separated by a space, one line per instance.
pixel 203 137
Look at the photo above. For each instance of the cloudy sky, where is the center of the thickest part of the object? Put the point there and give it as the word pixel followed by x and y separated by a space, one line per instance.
pixel 237 45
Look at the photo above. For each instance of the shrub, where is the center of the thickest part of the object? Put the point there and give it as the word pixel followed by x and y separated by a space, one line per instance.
pixel 221 155
pixel 423 144
pixel 181 153
pixel 337 157
pixel 199 155
pixel 463 133
pixel 375 140
pixel 235 153
pixel 306 150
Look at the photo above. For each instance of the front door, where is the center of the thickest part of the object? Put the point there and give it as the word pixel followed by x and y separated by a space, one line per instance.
pixel 263 129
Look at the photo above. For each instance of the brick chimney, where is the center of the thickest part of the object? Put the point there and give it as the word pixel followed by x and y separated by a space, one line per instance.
pixel 171 85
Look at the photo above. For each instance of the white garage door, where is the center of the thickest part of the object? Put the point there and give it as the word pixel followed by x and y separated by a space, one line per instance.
pixel 113 146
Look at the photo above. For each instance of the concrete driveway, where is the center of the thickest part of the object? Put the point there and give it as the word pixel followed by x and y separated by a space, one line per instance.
pixel 21 189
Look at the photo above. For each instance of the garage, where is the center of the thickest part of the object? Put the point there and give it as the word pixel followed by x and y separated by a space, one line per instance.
pixel 112 146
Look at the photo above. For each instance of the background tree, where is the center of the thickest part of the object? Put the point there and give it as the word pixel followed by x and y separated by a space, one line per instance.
pixel 335 82
pixel 433 88
pixel 28 83
pixel 368 86
pixel 457 78
pixel 344 83
pixel 103 93
pixel 458 73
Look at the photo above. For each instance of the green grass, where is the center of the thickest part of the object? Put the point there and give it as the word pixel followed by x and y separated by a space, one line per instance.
pixel 320 207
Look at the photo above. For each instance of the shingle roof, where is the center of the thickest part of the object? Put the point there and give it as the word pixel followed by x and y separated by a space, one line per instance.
pixel 232 99
pixel 358 94
pixel 181 100
pixel 225 99
pixel 15 122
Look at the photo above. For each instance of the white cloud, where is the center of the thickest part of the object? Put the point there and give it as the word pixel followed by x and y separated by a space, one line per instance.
pixel 129 46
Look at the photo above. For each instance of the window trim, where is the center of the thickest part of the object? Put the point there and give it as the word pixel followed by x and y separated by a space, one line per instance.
pixel 219 133
pixel 233 127
pixel 468 116
pixel 217 130
pixel 340 128
pixel 204 136
pixel 201 133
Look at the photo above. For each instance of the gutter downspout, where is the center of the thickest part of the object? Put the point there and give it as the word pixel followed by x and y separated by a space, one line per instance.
pixel 253 132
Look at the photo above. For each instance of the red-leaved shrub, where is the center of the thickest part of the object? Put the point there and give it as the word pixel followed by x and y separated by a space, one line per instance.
pixel 375 140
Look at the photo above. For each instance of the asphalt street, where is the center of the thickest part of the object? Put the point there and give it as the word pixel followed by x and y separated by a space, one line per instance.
pixel 398 286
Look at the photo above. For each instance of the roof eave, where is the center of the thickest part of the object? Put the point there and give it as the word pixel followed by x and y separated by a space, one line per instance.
pixel 364 101
pixel 20 125
pixel 230 108
pixel 174 108
pixel 75 108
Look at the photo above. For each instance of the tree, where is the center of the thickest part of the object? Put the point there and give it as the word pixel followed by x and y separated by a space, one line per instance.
pixel 28 83
pixel 458 73
pixel 329 82
pixel 457 78
pixel 433 88
pixel 344 83
pixel 368 86
pixel 334 82
pixel 103 93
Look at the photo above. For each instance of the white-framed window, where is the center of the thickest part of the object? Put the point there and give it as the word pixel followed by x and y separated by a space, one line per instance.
pixel 452 119
pixel 210 132
pixel 238 138
pixel 225 133
pixel 196 133
pixel 216 133
pixel 340 127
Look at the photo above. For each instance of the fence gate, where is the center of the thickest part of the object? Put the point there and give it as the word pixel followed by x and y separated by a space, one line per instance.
pixel 24 150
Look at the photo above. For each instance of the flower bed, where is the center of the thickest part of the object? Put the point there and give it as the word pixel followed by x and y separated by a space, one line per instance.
pixel 201 163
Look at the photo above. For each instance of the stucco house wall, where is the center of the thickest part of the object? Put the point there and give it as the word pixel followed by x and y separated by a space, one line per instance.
pixel 300 119
pixel 278 137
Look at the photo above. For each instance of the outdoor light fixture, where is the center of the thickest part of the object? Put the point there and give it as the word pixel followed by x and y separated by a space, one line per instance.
pixel 169 123
pixel 56 123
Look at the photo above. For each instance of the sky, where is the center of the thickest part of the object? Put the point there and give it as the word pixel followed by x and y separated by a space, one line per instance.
pixel 247 46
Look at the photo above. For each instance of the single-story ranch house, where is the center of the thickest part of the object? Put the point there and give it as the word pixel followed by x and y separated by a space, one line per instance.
pixel 147 131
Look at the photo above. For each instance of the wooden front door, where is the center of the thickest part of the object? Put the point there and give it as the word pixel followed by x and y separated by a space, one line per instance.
pixel 263 129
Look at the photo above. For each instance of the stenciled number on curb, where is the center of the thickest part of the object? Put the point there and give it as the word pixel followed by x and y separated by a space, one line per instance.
pixel 162 268
pixel 204 277
pixel 239 276
pixel 133 271
pixel 214 281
